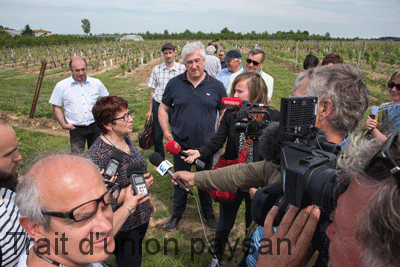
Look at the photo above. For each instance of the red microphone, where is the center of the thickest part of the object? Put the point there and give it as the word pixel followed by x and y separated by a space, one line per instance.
pixel 174 148
pixel 237 102
pixel 233 102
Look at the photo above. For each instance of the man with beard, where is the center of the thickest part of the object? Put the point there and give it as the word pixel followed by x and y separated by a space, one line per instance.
pixel 159 78
pixel 12 235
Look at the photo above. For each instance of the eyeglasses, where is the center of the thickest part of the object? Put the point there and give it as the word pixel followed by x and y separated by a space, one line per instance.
pixel 255 63
pixel 125 117
pixel 383 160
pixel 88 209
pixel 392 84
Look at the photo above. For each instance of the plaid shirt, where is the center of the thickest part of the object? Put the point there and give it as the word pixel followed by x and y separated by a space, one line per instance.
pixel 161 75
pixel 100 153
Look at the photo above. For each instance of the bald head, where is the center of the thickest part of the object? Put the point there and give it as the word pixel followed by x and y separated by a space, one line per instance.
pixel 58 182
pixel 78 69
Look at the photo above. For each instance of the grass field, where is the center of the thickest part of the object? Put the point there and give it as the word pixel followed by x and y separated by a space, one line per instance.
pixel 17 88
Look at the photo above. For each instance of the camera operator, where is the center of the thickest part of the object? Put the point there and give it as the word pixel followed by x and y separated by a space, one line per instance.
pixel 365 229
pixel 342 101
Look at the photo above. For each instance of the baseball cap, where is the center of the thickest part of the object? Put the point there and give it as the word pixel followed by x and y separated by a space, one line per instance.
pixel 233 54
pixel 167 46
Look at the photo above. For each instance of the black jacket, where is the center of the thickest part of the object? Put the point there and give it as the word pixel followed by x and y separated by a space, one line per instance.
pixel 226 131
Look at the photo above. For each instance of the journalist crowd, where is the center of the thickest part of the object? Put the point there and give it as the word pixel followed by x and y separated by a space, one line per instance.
pixel 80 207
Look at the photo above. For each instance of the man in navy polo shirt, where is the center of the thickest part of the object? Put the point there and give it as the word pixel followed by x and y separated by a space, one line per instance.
pixel 194 98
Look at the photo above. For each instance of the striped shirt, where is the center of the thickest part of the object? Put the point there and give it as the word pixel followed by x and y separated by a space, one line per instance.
pixel 12 235
pixel 161 75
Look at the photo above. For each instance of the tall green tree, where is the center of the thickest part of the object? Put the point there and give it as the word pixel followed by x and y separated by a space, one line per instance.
pixel 27 30
pixel 86 26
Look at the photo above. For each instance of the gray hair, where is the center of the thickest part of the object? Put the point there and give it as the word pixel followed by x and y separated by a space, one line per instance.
pixel 223 50
pixel 257 51
pixel 379 230
pixel 29 202
pixel 346 89
pixel 191 48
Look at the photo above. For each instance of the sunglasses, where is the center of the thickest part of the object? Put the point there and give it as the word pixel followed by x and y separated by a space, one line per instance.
pixel 383 160
pixel 255 63
pixel 392 84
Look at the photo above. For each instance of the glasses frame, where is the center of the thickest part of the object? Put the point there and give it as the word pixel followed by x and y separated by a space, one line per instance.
pixel 391 84
pixel 70 214
pixel 383 156
pixel 125 117
pixel 255 63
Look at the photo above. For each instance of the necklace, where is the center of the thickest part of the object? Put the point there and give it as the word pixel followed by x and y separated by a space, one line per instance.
pixel 120 148
pixel 47 259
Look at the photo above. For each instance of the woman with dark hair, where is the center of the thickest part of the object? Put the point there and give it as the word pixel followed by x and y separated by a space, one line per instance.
pixel 390 111
pixel 251 87
pixel 112 116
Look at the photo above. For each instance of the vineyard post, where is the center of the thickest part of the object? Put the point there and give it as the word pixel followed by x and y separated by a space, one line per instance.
pixel 297 49
pixel 358 62
pixel 39 84
pixel 365 47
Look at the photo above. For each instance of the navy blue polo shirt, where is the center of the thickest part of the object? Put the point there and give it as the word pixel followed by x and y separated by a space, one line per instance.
pixel 193 110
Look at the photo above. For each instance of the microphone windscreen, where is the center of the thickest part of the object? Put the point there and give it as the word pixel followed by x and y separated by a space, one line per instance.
pixel 135 168
pixel 173 147
pixel 233 102
pixel 155 159
pixel 117 154
pixel 270 143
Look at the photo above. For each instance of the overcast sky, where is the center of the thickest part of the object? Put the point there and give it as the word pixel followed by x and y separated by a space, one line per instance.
pixel 341 18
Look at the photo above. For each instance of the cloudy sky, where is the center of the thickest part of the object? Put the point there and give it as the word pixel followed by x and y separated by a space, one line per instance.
pixel 341 18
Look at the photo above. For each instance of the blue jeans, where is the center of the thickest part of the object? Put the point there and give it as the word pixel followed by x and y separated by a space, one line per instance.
pixel 180 195
pixel 158 133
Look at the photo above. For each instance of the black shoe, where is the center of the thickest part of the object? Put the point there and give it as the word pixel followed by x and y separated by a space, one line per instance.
pixel 212 224
pixel 171 224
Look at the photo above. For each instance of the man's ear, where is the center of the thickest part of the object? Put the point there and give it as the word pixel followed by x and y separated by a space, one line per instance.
pixel 326 110
pixel 33 229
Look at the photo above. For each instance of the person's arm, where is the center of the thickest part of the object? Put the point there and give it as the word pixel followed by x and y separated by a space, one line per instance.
pixel 221 114
pixel 148 115
pixel 232 178
pixel 163 120
pixel 371 125
pixel 60 118
pixel 126 209
pixel 290 243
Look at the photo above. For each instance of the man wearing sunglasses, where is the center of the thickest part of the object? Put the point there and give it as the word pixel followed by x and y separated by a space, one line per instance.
pixel 66 209
pixel 254 63
pixel 78 94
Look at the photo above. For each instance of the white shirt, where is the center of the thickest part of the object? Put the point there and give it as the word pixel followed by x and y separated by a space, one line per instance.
pixel 78 100
pixel 24 257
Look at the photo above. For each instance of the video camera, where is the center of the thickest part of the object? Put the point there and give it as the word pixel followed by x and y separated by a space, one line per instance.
pixel 251 119
pixel 307 164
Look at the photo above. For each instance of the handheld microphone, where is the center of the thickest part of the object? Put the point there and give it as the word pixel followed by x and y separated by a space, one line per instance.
pixel 237 102
pixel 372 114
pixel 112 165
pixel 135 172
pixel 174 148
pixel 164 167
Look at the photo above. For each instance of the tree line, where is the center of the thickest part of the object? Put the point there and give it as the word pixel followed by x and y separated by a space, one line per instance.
pixel 6 40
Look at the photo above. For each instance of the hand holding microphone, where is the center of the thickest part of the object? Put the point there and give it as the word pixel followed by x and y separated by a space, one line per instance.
pixel 174 148
pixel 164 167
